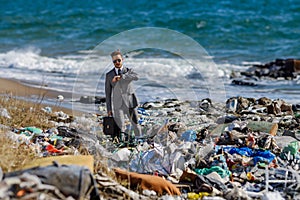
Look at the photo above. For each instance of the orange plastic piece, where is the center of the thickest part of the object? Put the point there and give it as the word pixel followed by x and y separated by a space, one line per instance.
pixel 51 149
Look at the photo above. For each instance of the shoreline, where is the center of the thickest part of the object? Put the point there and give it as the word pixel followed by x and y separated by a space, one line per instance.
pixel 17 88
pixel 47 97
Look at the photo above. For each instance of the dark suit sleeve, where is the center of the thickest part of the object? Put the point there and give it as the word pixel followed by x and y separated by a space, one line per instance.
pixel 108 91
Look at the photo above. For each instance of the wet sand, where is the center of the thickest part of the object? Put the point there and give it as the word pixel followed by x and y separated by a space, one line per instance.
pixel 16 88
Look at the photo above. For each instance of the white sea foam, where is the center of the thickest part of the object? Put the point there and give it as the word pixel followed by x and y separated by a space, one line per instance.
pixel 160 78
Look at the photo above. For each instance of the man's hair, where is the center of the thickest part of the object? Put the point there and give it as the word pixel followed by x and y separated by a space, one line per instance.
pixel 117 52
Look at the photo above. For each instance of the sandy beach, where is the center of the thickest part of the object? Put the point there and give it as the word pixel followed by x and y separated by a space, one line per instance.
pixel 16 88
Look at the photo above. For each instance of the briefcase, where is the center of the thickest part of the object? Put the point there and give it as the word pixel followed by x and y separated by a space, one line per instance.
pixel 110 127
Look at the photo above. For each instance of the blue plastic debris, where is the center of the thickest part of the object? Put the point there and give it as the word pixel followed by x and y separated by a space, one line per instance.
pixel 189 136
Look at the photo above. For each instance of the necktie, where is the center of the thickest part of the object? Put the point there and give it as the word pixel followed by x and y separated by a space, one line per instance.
pixel 119 71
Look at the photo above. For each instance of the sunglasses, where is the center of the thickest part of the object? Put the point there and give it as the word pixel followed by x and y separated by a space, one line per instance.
pixel 117 60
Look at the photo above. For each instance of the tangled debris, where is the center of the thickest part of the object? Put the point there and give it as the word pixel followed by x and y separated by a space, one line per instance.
pixel 245 149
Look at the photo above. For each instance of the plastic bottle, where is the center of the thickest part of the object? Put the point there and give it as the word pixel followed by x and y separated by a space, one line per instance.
pixel 122 137
pixel 132 135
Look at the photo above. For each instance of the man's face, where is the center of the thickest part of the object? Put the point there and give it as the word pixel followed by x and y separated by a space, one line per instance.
pixel 117 60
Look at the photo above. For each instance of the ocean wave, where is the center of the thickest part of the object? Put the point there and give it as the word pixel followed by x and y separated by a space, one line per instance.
pixel 84 73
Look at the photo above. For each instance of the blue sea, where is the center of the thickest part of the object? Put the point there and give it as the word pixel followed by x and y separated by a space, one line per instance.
pixel 180 49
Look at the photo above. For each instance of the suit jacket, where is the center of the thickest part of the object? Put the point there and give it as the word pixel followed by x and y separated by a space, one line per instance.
pixel 121 91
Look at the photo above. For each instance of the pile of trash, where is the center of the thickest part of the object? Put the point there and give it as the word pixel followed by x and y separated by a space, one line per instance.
pixel 245 149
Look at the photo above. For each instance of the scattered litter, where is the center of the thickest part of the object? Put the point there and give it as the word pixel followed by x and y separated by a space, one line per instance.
pixel 247 148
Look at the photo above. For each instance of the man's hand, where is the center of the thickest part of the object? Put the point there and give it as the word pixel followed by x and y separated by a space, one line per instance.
pixel 109 113
pixel 116 78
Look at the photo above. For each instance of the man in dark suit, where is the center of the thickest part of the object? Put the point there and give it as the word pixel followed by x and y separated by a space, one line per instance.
pixel 120 97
